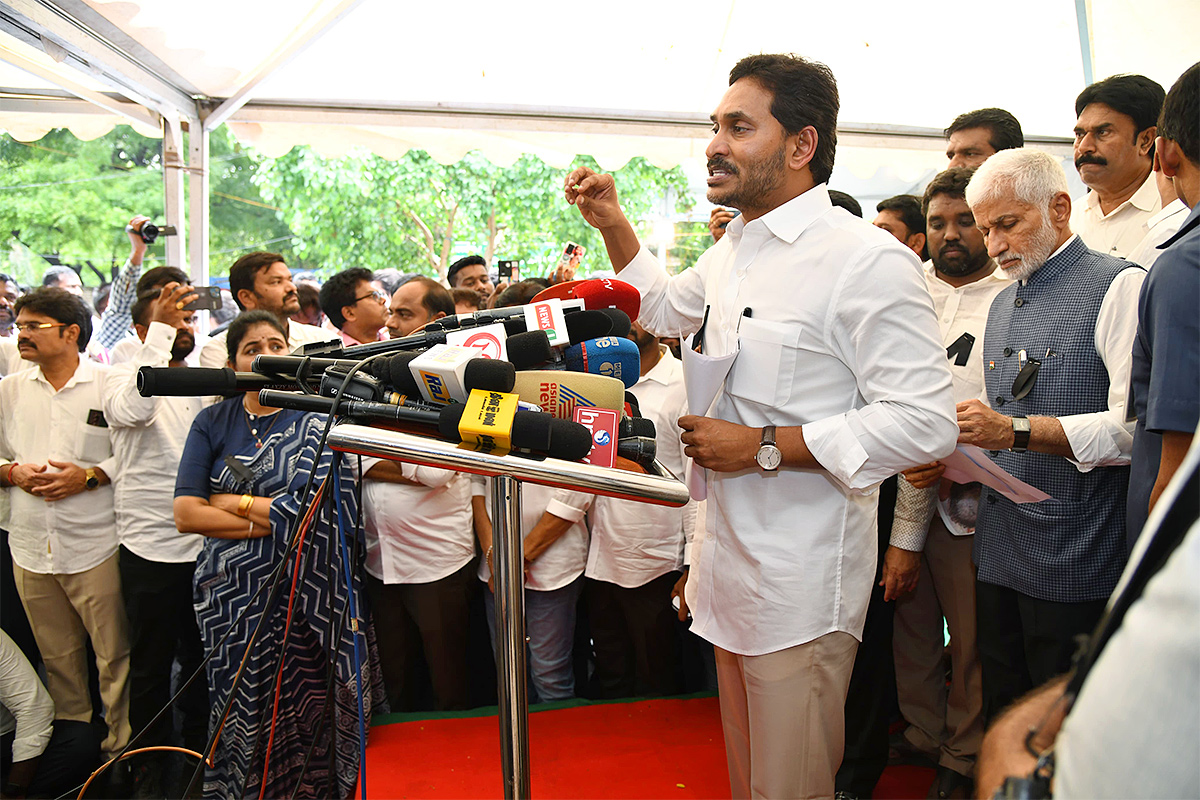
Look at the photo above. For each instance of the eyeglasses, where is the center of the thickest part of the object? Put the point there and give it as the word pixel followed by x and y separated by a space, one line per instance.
pixel 30 327
pixel 378 295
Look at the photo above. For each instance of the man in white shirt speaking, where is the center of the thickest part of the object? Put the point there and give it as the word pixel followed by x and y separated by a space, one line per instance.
pixel 834 379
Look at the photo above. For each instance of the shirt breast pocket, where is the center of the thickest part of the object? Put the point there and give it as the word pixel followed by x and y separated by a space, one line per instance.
pixel 766 361
pixel 92 444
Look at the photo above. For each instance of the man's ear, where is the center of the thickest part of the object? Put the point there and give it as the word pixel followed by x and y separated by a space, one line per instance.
pixel 349 313
pixel 247 299
pixel 916 243
pixel 1145 140
pixel 1060 209
pixel 804 147
pixel 1168 155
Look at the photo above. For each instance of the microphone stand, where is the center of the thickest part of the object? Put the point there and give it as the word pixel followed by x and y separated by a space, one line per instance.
pixel 507 473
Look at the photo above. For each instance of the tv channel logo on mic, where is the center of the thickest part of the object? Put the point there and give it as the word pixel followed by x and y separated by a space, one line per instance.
pixel 602 424
pixel 435 387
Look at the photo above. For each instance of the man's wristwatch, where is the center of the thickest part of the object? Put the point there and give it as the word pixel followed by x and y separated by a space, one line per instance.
pixel 768 455
pixel 92 481
pixel 1020 434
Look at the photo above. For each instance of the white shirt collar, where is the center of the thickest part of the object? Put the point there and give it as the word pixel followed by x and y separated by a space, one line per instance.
pixel 789 220
pixel 662 371
pixel 1144 199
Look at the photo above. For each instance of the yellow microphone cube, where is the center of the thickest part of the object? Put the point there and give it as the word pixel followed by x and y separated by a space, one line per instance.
pixel 486 423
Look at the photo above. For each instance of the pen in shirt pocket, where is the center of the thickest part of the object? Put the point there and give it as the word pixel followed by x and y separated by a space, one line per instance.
pixel 747 312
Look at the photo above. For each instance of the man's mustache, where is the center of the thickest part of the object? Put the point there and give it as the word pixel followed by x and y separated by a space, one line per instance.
pixel 722 164
pixel 1091 158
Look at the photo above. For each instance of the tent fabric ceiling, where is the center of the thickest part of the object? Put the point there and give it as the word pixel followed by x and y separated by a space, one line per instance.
pixel 624 66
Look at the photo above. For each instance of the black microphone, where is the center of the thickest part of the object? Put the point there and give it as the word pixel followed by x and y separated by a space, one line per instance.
pixel 621 325
pixel 531 430
pixel 199 381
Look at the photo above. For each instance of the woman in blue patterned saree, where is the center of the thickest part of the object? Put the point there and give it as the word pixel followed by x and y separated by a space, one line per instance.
pixel 242 484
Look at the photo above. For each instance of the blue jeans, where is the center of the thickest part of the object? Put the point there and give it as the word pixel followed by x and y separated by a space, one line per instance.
pixel 550 626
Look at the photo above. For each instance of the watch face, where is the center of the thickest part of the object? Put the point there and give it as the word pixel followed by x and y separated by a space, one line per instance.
pixel 769 457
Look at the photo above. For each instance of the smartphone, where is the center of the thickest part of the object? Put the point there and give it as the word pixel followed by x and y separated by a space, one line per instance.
pixel 209 299
pixel 571 255
pixel 509 271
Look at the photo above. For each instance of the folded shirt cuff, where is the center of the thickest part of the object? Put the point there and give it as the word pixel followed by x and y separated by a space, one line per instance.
pixel 836 448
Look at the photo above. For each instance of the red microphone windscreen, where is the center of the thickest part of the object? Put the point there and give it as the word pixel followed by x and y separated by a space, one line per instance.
pixel 596 293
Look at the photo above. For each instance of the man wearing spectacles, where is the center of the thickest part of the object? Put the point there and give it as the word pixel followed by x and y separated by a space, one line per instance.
pixel 1056 363
pixel 355 306
pixel 56 462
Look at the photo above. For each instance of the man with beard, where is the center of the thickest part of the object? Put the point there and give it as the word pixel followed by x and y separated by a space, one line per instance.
pixel 156 561
pixel 927 568
pixel 823 331
pixel 1114 154
pixel 263 280
pixel 471 272
pixel 636 553
pixel 1056 355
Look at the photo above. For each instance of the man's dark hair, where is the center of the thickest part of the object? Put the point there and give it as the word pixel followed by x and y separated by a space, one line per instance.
pixel 140 310
pixel 437 297
pixel 6 278
pixel 466 261
pixel 244 322
pixel 843 200
pixel 159 277
pixel 1180 112
pixel 54 274
pixel 100 297
pixel 1004 130
pixel 309 296
pixel 520 293
pixel 803 93
pixel 1135 96
pixel 61 306
pixel 246 269
pixel 951 182
pixel 340 291
pixel 468 297
pixel 909 209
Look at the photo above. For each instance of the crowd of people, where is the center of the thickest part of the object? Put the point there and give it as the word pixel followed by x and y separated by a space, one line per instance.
pixel 816 584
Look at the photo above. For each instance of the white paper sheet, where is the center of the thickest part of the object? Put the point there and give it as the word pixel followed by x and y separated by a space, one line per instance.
pixel 969 463
pixel 703 376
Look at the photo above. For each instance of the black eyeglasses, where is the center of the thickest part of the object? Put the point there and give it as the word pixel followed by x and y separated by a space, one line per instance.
pixel 1024 382
pixel 30 327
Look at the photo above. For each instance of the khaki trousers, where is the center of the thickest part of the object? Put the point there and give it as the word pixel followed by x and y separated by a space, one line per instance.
pixel 783 714
pixel 64 610
pixel 949 723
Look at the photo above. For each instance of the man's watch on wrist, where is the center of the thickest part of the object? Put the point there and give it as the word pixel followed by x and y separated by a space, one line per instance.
pixel 1021 431
pixel 768 456
pixel 91 481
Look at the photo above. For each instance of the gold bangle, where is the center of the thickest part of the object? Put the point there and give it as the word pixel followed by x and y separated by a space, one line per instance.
pixel 243 509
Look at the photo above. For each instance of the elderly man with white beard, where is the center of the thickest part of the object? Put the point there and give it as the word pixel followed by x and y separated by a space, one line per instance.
pixel 1056 362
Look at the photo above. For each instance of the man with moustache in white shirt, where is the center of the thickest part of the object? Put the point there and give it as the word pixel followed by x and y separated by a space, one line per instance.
pixel 835 379
pixel 62 531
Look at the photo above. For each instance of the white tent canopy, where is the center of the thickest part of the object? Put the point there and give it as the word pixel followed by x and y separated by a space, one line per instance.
pixel 612 80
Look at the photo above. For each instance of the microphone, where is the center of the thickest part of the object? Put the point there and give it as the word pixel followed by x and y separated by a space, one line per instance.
pixel 596 293
pixel 199 382
pixel 559 392
pixel 528 430
pixel 621 324
pixel 446 373
pixel 610 356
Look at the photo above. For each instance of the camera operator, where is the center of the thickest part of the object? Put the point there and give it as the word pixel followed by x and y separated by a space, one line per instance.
pixel 115 322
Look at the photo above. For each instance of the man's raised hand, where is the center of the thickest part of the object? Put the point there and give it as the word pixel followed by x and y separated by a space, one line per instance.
pixel 595 195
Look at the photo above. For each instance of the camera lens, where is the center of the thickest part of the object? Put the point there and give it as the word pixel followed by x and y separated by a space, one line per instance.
pixel 149 232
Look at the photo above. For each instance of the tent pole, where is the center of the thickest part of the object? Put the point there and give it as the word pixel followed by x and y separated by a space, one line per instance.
pixel 173 205
pixel 198 196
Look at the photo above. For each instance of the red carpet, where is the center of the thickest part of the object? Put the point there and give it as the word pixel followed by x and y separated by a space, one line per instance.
pixel 646 749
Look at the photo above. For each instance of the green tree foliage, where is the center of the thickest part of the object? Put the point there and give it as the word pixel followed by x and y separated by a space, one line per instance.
pixel 69 200
pixel 417 215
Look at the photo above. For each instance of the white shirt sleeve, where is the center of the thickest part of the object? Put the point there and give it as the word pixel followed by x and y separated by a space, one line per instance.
pixel 889 339
pixel 123 405
pixel 1104 438
pixel 670 305
pixel 570 505
pixel 24 697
